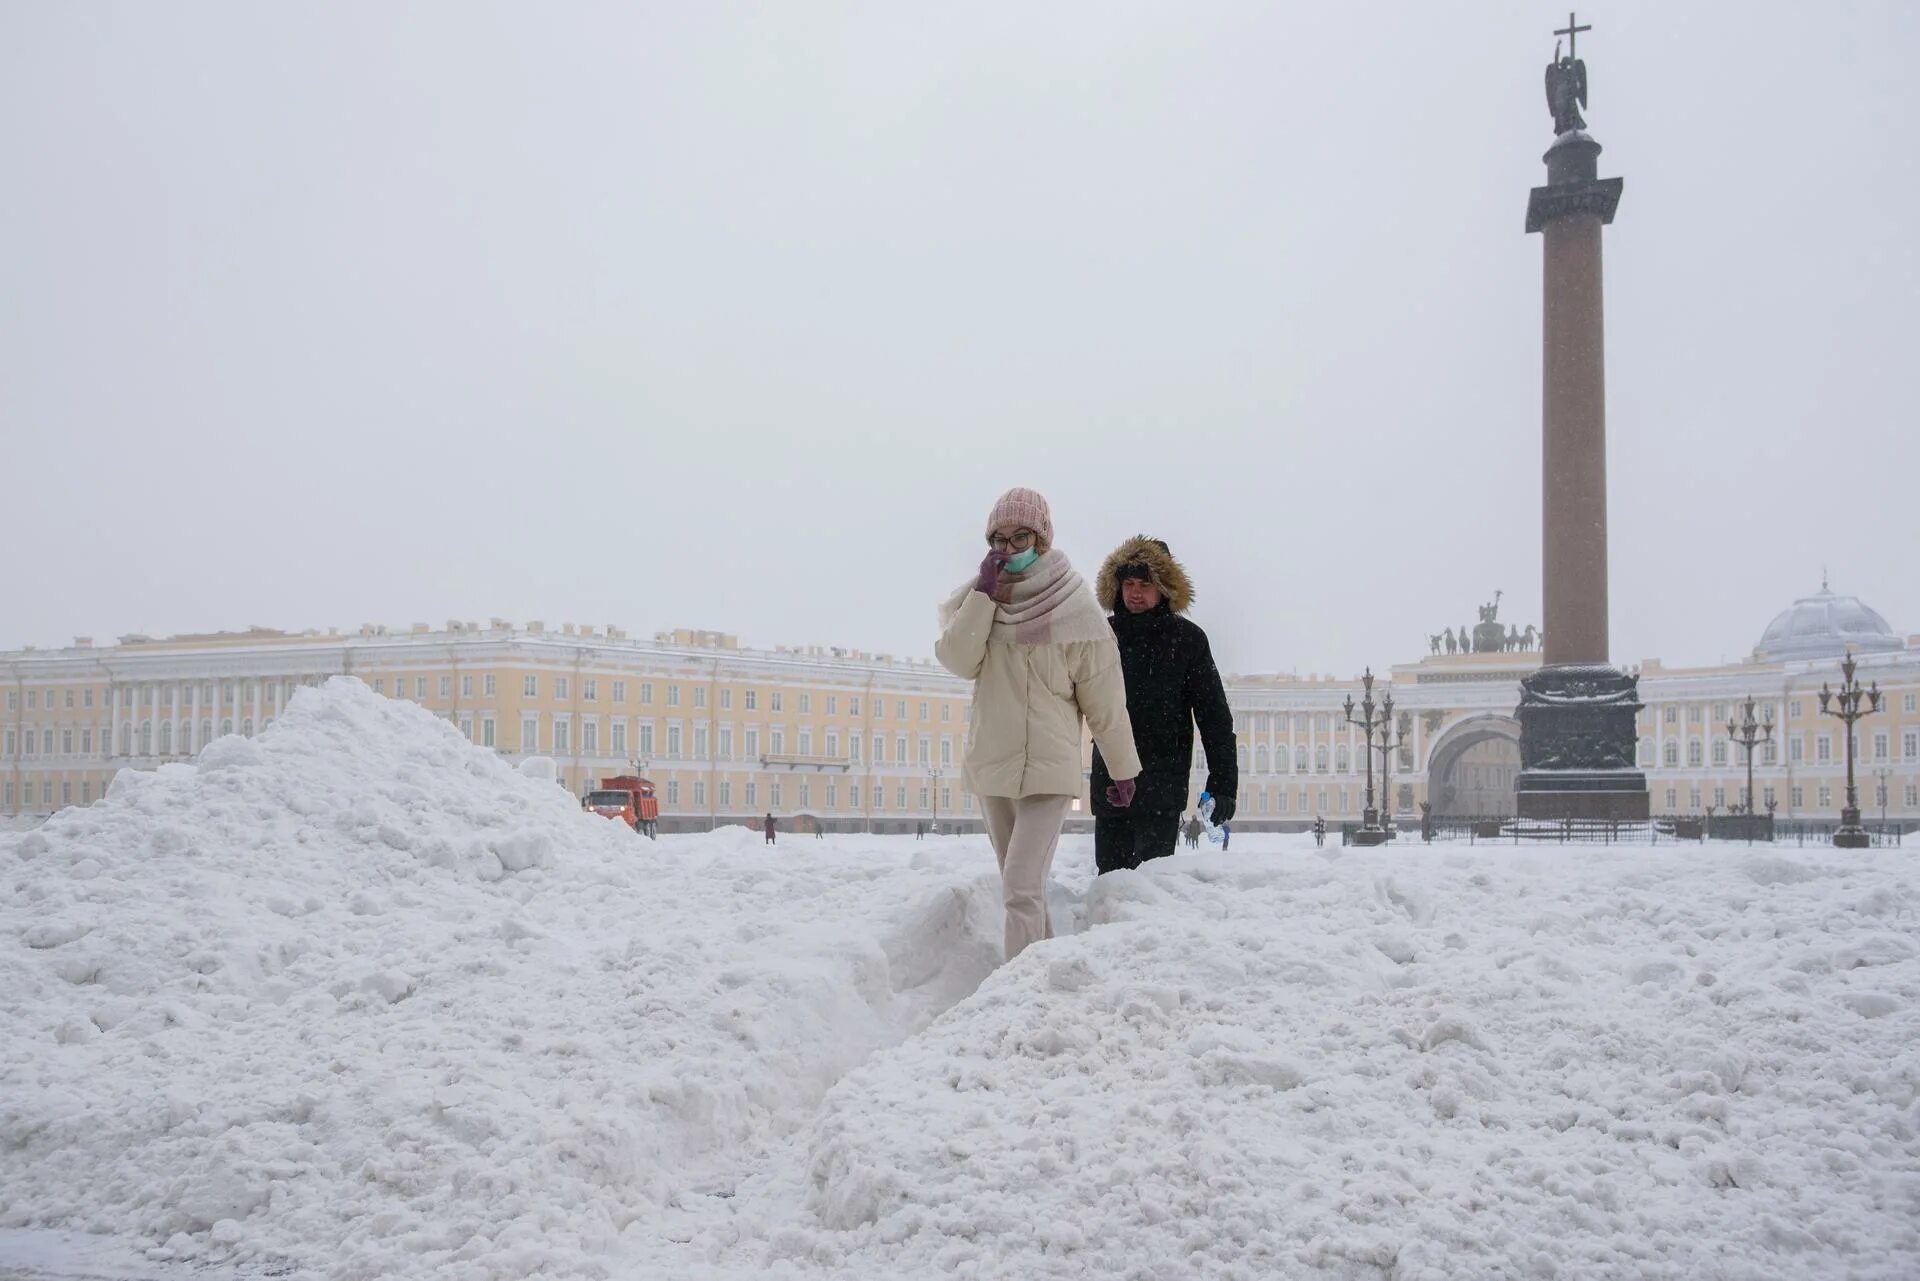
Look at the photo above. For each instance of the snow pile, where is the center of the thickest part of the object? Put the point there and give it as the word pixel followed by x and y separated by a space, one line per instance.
pixel 357 996
pixel 1652 1064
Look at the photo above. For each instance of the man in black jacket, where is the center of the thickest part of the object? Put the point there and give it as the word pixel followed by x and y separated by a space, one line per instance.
pixel 1172 685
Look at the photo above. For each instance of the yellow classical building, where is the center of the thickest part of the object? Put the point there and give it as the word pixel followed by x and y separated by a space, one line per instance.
pixel 848 740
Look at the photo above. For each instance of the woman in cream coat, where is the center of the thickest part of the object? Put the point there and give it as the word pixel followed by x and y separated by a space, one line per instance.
pixel 1029 635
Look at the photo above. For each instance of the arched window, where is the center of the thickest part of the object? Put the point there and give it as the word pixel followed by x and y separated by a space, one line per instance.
pixel 166 738
pixel 1693 751
pixel 1671 755
pixel 1320 759
pixel 1300 760
pixel 146 738
pixel 206 733
pixel 246 727
pixel 1344 762
pixel 226 726
pixel 1719 751
pixel 126 738
pixel 1262 761
pixel 1241 754
pixel 1646 752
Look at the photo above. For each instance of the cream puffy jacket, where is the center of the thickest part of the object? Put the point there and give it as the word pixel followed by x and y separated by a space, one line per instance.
pixel 1028 701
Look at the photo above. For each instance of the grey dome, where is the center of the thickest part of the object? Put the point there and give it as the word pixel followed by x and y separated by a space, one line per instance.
pixel 1826 626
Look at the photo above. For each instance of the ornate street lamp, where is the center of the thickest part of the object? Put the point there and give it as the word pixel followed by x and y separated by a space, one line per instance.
pixel 1749 733
pixel 1370 833
pixel 1882 779
pixel 933 791
pixel 1393 736
pixel 1847 707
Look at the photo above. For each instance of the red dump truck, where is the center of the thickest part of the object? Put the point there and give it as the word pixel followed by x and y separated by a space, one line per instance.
pixel 629 798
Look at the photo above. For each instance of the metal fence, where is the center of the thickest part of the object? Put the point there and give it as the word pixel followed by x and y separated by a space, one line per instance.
pixel 1667 829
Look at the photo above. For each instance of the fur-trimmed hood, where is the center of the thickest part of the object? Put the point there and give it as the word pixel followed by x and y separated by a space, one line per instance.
pixel 1162 569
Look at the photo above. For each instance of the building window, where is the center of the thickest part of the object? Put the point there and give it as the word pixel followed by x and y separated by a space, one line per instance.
pixel 806 795
pixel 1693 798
pixel 1906 703
pixel 590 690
pixel 530 687
pixel 1645 755
pixel 646 738
pixel 1823 748
pixel 699 695
pixel 1342 760
pixel 590 736
pixel 1913 792
pixel 619 732
pixel 946 751
pixel 853 704
pixel 1693 752
pixel 775 704
pixel 673 696
pixel 879 749
pixel 806 703
pixel 562 734
pixel 1320 759
pixel 420 687
pixel 487 684
pixel 926 750
pixel 673 791
pixel 1719 751
pixel 833 744
pixel 777 741
pixel 1693 714
pixel 466 687
pixel 726 794
pixel 726 699
pixel 1300 761
pixel 1826 796
pixel 1798 798
pixel 773 793
pixel 1880 744
pixel 646 693
pixel 466 728
pixel 560 691
pixel 1719 798
pixel 619 691
pixel 923 711
pixel 699 793
pixel 1670 754
pixel 753 700
pixel 486 731
pixel 529 735
pixel 946 713
pixel 925 797
pixel 1672 800
pixel 1910 744
pixel 166 739
pixel 900 798
pixel 900 714
pixel 699 742
pixel 673 742
pixel 853 748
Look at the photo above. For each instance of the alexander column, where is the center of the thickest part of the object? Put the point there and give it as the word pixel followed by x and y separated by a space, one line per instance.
pixel 1577 735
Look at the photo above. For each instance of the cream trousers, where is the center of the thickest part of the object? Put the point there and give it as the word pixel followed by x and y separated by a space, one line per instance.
pixel 1024 832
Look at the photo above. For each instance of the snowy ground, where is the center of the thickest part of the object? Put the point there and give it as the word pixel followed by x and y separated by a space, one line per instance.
pixel 355 1000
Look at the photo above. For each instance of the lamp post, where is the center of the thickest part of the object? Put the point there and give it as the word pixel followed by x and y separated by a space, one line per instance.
pixel 933 794
pixel 1750 733
pixel 1883 778
pixel 1846 706
pixel 1370 833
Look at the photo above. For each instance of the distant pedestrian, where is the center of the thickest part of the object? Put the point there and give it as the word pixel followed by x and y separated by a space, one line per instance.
pixel 768 828
pixel 1194 828
pixel 1029 635
pixel 919 831
pixel 1319 831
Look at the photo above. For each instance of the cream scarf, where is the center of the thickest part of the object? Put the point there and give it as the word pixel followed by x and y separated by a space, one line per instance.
pixel 1050 604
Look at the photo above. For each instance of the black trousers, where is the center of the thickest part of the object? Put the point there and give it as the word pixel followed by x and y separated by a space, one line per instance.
pixel 1128 839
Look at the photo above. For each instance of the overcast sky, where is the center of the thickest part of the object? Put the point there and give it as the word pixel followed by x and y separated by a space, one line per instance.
pixel 740 316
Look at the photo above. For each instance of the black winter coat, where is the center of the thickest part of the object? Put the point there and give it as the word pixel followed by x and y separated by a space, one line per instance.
pixel 1172 685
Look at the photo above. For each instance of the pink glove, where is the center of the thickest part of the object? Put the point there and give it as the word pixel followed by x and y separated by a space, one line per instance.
pixel 990 572
pixel 1120 795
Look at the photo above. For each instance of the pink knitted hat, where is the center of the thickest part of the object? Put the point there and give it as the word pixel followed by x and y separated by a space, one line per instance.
pixel 1022 509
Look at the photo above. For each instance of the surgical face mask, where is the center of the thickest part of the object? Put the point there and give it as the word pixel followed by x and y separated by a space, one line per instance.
pixel 1021 562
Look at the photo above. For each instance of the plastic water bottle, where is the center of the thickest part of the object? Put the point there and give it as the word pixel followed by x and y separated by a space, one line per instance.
pixel 1205 809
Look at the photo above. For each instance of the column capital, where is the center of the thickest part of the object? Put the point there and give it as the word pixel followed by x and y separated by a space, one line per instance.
pixel 1565 200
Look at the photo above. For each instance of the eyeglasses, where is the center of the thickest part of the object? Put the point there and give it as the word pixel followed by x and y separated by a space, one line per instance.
pixel 1019 542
